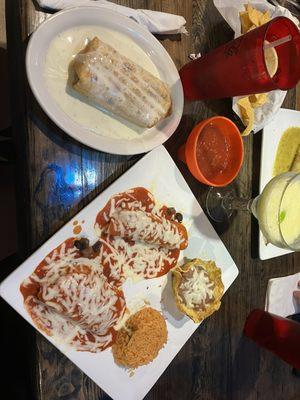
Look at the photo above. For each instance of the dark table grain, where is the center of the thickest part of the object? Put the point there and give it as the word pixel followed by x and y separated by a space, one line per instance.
pixel 58 176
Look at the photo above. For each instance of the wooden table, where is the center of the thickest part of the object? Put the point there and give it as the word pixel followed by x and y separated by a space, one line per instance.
pixel 55 183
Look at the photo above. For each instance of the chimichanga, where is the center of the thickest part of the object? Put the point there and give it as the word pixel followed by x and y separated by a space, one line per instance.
pixel 120 86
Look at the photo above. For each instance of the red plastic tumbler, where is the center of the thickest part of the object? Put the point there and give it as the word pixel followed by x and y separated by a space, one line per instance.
pixel 279 335
pixel 239 67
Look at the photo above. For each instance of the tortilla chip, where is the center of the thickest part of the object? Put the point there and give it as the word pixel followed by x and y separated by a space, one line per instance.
pixel 264 18
pixel 259 99
pixel 252 18
pixel 247 114
pixel 252 27
pixel 245 21
pixel 215 276
pixel 254 15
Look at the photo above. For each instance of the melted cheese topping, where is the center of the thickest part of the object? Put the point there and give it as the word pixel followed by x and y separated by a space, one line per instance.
pixel 74 304
pixel 76 299
pixel 118 84
pixel 134 259
pixel 61 51
pixel 197 289
pixel 147 228
pixel 126 256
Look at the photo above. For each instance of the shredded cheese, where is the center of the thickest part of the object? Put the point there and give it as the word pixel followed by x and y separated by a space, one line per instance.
pixel 146 227
pixel 76 299
pixel 197 289
pixel 75 303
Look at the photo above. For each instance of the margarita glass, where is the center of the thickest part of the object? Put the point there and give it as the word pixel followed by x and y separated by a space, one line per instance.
pixel 277 209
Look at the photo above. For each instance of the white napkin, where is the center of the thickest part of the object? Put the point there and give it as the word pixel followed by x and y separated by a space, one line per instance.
pixel 229 9
pixel 279 296
pixel 154 21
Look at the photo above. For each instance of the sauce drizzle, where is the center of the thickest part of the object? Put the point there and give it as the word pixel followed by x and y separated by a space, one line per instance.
pixel 75 295
pixel 123 257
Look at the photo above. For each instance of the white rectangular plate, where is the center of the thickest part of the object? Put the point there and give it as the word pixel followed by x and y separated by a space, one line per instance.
pixel 158 173
pixel 272 133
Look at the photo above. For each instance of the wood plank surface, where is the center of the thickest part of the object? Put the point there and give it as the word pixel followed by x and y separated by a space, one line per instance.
pixel 62 176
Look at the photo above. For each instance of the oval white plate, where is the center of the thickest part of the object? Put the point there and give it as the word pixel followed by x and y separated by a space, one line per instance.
pixel 97 16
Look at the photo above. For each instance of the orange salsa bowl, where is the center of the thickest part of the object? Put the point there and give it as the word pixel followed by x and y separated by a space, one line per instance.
pixel 214 151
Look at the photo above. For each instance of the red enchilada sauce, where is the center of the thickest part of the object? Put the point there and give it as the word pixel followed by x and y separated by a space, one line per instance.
pixel 68 297
pixel 75 293
pixel 123 257
pixel 134 199
pixel 212 152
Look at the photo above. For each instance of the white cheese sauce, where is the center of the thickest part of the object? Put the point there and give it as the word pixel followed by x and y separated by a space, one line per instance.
pixel 56 71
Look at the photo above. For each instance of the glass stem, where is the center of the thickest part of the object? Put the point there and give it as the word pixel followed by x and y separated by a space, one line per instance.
pixel 235 203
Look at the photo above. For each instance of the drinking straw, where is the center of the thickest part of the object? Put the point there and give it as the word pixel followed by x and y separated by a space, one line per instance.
pixel 278 42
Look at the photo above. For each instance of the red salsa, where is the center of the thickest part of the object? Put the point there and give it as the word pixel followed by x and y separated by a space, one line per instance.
pixel 212 152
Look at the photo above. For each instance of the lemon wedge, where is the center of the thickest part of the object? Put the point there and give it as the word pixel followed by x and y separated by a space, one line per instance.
pixel 271 60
